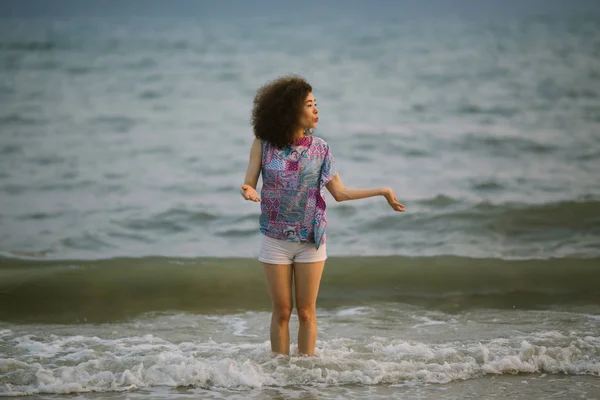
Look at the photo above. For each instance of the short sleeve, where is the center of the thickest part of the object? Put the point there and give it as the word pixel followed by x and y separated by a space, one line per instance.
pixel 328 169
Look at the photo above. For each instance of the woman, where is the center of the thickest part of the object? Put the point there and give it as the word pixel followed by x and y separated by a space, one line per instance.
pixel 296 167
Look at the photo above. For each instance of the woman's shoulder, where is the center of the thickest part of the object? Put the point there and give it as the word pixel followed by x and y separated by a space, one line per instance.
pixel 320 142
pixel 320 145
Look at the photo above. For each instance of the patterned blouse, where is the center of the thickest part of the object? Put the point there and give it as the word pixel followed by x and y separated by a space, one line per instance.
pixel 293 191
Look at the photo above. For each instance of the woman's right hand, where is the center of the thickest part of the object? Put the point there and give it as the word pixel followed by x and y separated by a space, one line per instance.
pixel 249 193
pixel 392 200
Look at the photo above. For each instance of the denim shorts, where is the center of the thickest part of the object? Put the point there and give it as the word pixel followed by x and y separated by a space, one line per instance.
pixel 275 251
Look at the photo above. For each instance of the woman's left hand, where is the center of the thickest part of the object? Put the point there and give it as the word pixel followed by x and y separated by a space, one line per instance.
pixel 393 201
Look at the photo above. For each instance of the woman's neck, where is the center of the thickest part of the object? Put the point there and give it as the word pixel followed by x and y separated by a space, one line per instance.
pixel 299 134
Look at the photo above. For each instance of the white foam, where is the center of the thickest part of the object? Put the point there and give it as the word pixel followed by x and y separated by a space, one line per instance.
pixel 354 311
pixel 593 317
pixel 401 348
pixel 530 358
pixel 549 335
pixel 237 324
pixel 4 333
pixel 426 321
pixel 76 364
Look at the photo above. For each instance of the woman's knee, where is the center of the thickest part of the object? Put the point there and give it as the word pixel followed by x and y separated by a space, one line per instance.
pixel 282 313
pixel 307 314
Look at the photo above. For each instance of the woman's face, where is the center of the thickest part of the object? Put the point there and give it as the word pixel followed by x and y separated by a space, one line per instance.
pixel 310 113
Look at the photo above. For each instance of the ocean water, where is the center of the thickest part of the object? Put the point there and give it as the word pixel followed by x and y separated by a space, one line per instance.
pixel 127 256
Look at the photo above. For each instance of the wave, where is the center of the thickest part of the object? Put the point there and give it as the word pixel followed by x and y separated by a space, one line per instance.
pixel 434 226
pixel 18 119
pixel 505 145
pixel 114 289
pixel 495 111
pixel 85 363
pixel 577 216
pixel 173 220
pixel 28 46
pixel 574 215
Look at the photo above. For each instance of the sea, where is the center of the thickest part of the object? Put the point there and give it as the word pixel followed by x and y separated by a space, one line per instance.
pixel 128 258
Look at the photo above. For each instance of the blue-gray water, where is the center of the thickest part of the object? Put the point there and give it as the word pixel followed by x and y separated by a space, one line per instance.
pixel 131 137
pixel 127 139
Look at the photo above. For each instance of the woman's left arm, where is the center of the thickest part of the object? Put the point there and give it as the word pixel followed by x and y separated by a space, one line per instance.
pixel 342 193
pixel 248 189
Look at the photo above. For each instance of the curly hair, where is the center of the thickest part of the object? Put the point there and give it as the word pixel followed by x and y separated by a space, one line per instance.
pixel 277 109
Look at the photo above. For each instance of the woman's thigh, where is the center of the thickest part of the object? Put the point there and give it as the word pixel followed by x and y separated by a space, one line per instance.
pixel 279 280
pixel 307 279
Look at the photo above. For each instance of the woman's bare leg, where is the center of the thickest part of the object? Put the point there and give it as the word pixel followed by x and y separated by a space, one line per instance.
pixel 307 278
pixel 279 280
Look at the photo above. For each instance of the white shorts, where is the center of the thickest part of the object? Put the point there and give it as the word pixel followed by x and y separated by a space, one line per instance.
pixel 274 251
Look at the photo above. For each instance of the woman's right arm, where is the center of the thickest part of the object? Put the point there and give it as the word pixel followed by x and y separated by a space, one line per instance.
pixel 248 189
pixel 342 193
